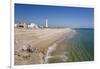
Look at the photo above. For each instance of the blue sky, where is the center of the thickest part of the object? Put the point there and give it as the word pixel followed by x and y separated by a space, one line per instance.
pixel 74 17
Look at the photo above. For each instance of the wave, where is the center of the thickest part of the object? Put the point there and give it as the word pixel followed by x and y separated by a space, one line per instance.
pixel 49 51
pixel 53 47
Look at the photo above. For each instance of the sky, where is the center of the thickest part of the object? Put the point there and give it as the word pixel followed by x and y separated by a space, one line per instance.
pixel 58 16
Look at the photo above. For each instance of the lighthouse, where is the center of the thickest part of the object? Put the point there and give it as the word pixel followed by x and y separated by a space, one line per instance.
pixel 46 24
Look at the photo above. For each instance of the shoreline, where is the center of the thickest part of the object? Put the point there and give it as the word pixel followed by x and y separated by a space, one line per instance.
pixel 53 47
pixel 34 49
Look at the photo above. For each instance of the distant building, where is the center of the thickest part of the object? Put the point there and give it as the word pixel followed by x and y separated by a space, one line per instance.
pixel 33 25
pixel 15 25
pixel 21 25
pixel 25 25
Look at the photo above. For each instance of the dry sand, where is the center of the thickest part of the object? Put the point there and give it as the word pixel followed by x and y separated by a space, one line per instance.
pixel 31 45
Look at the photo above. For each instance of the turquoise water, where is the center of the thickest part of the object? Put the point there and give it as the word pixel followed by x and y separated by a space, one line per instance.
pixel 81 46
pixel 78 48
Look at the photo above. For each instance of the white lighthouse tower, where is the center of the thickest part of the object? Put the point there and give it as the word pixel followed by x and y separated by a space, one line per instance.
pixel 46 25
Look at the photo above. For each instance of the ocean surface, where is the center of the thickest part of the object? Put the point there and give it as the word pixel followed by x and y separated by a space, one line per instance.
pixel 75 48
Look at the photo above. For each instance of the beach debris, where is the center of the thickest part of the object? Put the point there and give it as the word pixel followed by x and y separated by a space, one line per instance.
pixel 24 48
pixel 28 48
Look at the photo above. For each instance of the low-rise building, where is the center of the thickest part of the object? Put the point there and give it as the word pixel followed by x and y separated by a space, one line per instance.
pixel 33 25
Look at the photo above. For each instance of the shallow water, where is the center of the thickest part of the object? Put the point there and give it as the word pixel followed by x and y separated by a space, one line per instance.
pixel 78 46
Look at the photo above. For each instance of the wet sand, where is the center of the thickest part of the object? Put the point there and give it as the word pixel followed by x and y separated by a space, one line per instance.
pixel 32 45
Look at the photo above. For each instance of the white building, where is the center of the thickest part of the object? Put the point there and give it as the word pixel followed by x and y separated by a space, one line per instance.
pixel 15 25
pixel 33 25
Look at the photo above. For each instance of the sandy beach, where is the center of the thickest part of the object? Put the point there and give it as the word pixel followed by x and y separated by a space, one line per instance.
pixel 32 45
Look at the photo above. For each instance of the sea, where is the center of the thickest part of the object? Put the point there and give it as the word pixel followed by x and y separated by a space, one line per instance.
pixel 76 47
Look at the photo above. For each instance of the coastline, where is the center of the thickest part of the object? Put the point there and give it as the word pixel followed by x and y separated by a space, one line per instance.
pixel 32 46
pixel 57 50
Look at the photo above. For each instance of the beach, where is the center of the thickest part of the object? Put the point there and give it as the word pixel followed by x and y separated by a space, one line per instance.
pixel 34 46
